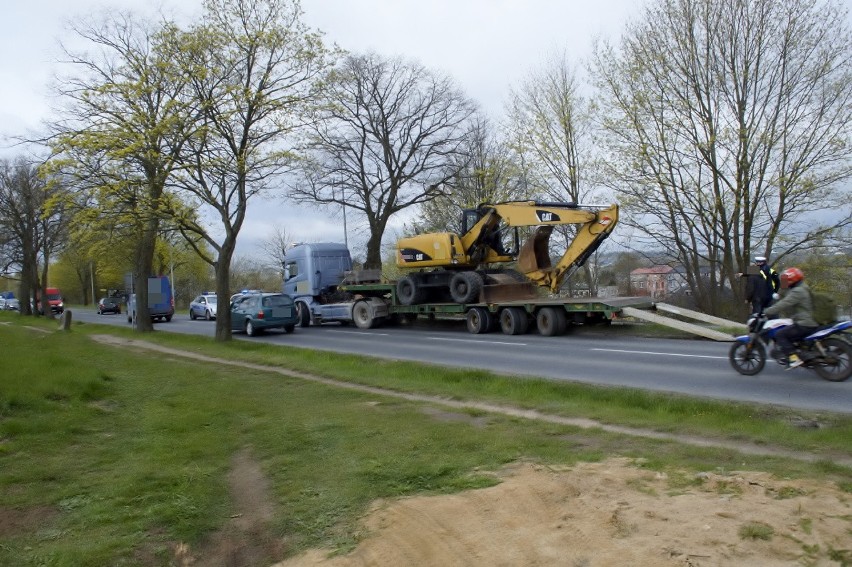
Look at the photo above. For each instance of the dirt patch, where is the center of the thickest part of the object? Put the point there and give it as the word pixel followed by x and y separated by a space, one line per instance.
pixel 610 513
pixel 20 521
pixel 246 538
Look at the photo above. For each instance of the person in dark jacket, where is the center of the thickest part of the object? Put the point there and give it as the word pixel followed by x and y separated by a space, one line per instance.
pixel 798 305
pixel 762 286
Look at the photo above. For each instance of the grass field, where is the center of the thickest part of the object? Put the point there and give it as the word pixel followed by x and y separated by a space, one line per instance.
pixel 111 456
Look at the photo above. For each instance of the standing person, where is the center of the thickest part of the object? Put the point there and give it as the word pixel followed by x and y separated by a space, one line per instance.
pixel 798 305
pixel 762 287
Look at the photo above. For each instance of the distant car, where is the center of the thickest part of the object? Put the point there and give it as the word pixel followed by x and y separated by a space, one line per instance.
pixel 242 293
pixel 54 300
pixel 203 306
pixel 109 305
pixel 9 304
pixel 256 312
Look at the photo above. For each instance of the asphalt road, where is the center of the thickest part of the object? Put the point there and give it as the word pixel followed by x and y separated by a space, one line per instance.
pixel 693 367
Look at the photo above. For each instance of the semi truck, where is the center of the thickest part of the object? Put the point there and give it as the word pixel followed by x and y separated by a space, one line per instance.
pixel 320 278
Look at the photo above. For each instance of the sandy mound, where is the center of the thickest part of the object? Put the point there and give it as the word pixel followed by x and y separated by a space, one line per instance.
pixel 606 514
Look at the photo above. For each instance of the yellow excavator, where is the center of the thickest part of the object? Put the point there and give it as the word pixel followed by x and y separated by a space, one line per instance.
pixel 455 264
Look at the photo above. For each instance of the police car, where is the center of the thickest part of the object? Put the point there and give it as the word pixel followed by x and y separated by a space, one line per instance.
pixel 203 306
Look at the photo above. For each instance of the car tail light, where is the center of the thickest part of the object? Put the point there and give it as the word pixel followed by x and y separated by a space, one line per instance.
pixel 260 314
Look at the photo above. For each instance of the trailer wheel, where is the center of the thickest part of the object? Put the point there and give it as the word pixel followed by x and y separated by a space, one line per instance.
pixel 362 316
pixel 303 314
pixel 465 287
pixel 408 292
pixel 514 321
pixel 479 320
pixel 551 321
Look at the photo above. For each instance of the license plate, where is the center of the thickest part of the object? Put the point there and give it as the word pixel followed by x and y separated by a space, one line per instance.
pixel 282 312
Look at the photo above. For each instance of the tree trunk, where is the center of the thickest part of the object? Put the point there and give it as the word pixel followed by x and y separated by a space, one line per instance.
pixel 223 289
pixel 374 252
pixel 144 267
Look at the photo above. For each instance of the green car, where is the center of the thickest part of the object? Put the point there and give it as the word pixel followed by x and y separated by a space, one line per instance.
pixel 256 312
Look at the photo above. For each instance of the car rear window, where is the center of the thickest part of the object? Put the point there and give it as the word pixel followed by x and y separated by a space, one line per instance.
pixel 277 301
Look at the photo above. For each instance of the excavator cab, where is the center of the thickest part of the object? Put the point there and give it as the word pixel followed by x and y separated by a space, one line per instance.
pixel 493 235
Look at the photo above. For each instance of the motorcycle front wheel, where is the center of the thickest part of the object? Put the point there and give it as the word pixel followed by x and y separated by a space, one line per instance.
pixel 836 365
pixel 747 359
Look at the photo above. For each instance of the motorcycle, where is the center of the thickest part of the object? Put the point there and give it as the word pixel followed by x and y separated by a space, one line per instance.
pixel 826 351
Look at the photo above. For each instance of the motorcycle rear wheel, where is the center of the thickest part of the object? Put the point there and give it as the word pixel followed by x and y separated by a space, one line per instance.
pixel 747 359
pixel 836 366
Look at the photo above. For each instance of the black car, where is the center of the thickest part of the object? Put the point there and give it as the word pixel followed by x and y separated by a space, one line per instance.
pixel 109 305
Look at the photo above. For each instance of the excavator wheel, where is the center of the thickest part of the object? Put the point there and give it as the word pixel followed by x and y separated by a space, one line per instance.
pixel 514 321
pixel 551 321
pixel 465 287
pixel 479 320
pixel 408 292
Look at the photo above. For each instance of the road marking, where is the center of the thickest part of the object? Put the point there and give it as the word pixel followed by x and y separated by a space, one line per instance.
pixel 372 334
pixel 659 353
pixel 475 341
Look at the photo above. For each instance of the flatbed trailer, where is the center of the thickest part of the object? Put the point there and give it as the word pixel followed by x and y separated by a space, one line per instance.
pixel 376 303
pixel 320 279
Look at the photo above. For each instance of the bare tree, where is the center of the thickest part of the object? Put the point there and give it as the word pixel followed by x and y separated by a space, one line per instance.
pixel 486 173
pixel 253 67
pixel 32 216
pixel 275 247
pixel 121 129
pixel 391 135
pixel 728 126
pixel 551 125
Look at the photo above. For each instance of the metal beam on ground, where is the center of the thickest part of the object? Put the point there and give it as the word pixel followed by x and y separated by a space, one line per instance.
pixel 675 324
pixel 699 316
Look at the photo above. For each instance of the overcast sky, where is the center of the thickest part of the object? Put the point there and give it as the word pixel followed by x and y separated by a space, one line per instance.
pixel 488 46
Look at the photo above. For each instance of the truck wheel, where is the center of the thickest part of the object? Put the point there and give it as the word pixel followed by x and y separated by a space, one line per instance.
pixel 362 316
pixel 514 321
pixel 465 287
pixel 551 321
pixel 303 314
pixel 408 292
pixel 479 320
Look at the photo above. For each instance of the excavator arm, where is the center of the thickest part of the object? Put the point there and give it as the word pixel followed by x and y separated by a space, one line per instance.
pixel 594 225
pixel 534 258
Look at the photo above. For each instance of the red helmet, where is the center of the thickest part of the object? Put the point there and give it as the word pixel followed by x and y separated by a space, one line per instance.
pixel 793 275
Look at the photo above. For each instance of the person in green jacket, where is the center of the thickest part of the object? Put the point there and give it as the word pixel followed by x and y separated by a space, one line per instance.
pixel 798 305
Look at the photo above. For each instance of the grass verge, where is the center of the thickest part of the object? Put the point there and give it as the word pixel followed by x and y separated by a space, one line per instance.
pixel 110 456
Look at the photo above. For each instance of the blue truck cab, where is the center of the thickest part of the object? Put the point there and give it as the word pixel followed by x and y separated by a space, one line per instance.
pixel 312 273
